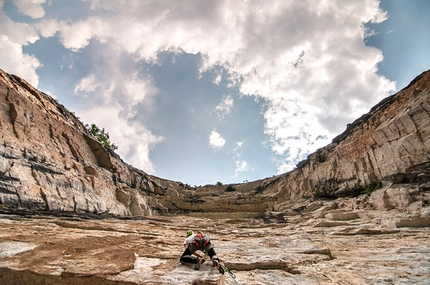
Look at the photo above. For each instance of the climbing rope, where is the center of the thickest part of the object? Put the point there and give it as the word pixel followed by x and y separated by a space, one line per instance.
pixel 230 273
pixel 225 269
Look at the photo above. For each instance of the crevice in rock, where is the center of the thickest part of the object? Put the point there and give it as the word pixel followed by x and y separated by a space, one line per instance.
pixel 72 149
pixel 42 168
pixel 101 154
pixel 45 199
pixel 204 282
pixel 75 203
pixel 264 265
pixel 13 115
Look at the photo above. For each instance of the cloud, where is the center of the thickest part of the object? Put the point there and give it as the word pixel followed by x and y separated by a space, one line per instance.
pixel 224 108
pixel 134 140
pixel 241 166
pixel 74 35
pixel 87 84
pixel 32 8
pixel 307 60
pixel 12 59
pixel 113 98
pixel 216 140
pixel 78 35
pixel 23 65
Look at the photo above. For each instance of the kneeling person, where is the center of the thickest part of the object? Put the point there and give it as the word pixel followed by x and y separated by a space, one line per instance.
pixel 195 242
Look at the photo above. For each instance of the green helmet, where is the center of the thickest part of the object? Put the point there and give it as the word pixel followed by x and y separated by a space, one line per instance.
pixel 190 232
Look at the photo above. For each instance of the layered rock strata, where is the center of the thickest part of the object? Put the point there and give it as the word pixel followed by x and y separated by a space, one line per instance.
pixel 49 162
pixel 328 245
pixel 388 145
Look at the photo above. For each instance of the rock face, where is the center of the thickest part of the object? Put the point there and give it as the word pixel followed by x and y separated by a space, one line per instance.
pixel 390 144
pixel 329 245
pixel 50 162
pixel 355 212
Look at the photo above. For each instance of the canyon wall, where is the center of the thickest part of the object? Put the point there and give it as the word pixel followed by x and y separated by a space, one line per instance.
pixel 389 148
pixel 50 162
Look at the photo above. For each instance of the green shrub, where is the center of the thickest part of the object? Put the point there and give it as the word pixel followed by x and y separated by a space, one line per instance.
pixel 322 156
pixel 101 136
pixel 375 185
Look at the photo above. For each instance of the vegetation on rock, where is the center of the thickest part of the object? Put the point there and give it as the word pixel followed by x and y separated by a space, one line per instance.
pixel 101 136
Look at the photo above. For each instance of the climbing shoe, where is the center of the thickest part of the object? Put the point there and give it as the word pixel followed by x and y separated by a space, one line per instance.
pixel 199 262
pixel 218 266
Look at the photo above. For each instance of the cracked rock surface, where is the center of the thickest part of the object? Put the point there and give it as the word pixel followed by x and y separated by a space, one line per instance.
pixel 325 246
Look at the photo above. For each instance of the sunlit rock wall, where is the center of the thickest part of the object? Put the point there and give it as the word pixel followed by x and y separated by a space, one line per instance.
pixel 388 146
pixel 49 162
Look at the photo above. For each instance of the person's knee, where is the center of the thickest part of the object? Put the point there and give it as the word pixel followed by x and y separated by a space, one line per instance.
pixel 182 259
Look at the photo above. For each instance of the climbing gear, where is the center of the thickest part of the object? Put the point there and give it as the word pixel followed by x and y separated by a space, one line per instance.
pixel 200 241
pixel 199 263
pixel 229 273
pixel 190 232
pixel 218 266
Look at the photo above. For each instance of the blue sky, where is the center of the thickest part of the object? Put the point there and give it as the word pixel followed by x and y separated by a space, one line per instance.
pixel 206 91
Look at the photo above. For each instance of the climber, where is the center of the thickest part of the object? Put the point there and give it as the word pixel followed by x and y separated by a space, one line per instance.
pixel 199 241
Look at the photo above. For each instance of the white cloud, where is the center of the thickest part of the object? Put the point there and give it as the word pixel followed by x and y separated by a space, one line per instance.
pixel 237 148
pixel 306 59
pixel 241 166
pixel 138 88
pixel 216 140
pixel 113 98
pixel 218 77
pixel 87 84
pixel 78 35
pixel 12 59
pixel 47 27
pixel 134 141
pixel 15 62
pixel 225 107
pixel 32 8
pixel 74 35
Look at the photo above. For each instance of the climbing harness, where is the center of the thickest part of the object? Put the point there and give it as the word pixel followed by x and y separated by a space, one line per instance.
pixel 201 241
pixel 230 273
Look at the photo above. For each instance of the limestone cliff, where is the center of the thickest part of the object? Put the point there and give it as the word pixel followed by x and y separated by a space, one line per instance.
pixel 49 162
pixel 355 212
pixel 387 147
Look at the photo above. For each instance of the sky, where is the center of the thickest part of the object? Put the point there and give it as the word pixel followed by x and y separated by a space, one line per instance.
pixel 228 91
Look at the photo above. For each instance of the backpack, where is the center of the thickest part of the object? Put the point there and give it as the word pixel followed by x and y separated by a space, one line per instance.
pixel 201 241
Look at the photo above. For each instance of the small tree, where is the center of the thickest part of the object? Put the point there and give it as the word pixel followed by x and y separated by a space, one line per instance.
pixel 101 136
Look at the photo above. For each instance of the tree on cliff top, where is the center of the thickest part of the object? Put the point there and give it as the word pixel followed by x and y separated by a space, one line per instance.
pixel 101 136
